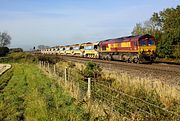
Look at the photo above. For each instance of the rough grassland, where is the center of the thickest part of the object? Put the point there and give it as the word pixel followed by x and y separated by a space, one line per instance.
pixel 27 94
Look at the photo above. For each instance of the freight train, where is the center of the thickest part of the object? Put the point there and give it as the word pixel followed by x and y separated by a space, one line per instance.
pixel 135 49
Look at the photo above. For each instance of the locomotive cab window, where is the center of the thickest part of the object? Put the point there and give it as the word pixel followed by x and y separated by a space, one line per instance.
pixel 95 47
pixel 151 42
pixel 103 47
pixel 76 48
pixel 71 48
pixel 81 47
pixel 67 48
pixel 142 42
pixel 135 43
pixel 88 47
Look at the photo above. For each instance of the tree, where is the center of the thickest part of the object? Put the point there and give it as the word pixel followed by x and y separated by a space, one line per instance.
pixel 148 27
pixel 165 27
pixel 4 39
pixel 138 29
pixel 169 19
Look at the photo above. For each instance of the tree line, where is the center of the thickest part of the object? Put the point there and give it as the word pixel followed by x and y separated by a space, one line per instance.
pixel 165 27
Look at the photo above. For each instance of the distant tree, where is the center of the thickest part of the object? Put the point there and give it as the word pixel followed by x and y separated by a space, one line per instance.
pixel 4 39
pixel 148 27
pixel 16 50
pixel 138 29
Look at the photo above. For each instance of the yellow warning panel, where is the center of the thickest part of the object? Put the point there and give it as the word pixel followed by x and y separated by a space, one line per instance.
pixel 116 45
pixel 125 44
pixel 108 48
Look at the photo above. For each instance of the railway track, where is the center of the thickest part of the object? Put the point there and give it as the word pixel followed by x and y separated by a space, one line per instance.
pixel 163 72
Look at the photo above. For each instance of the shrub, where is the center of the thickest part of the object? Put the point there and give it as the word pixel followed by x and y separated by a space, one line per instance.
pixel 4 51
pixel 92 70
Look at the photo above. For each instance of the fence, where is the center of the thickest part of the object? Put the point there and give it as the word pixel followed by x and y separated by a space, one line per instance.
pixel 118 100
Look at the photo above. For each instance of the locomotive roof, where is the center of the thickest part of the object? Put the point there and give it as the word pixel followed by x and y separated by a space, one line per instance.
pixel 127 38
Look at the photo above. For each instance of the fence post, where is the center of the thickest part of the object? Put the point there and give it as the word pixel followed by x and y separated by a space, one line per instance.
pixel 54 69
pixel 48 68
pixel 89 88
pixel 65 76
pixel 40 63
pixel 44 63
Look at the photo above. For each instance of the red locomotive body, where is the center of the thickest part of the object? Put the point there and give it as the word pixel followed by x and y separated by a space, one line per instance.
pixel 131 48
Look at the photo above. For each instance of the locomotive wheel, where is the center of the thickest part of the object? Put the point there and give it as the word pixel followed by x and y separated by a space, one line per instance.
pixel 135 60
pixel 108 57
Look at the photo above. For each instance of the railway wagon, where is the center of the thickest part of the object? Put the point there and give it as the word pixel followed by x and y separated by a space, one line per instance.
pixel 131 49
pixel 68 50
pixel 54 50
pixel 48 51
pixel 91 50
pixel 43 51
pixel 61 50
pixel 77 50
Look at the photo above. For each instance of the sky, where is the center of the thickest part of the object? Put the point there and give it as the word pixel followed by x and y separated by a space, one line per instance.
pixel 62 22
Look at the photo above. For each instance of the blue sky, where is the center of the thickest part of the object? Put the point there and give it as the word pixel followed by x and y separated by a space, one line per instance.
pixel 61 22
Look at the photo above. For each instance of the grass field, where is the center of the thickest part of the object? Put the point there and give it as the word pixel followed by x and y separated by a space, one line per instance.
pixel 27 94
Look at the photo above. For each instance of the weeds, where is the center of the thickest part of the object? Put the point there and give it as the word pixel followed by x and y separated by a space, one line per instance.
pixel 30 95
pixel 140 99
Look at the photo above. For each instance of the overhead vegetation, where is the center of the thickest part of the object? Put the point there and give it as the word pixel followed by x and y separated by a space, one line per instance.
pixel 165 26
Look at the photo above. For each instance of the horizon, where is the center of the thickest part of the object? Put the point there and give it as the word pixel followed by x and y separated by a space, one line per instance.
pixel 43 22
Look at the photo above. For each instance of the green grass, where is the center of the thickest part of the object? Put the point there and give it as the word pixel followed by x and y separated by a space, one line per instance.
pixel 4 79
pixel 30 95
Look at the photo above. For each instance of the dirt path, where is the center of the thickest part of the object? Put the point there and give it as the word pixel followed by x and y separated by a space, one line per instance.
pixel 4 67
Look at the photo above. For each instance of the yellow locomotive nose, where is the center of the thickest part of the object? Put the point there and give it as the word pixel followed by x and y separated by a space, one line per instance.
pixel 147 49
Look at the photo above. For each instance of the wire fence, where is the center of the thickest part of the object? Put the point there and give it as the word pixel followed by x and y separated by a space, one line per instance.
pixel 118 100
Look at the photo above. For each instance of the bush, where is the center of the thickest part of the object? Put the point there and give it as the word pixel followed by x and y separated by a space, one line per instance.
pixel 4 51
pixel 21 57
pixel 92 70
pixel 47 58
pixel 12 50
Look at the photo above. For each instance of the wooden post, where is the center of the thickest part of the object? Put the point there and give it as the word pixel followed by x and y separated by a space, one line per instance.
pixel 152 85
pixel 89 88
pixel 65 76
pixel 40 63
pixel 54 69
pixel 48 66
pixel 44 63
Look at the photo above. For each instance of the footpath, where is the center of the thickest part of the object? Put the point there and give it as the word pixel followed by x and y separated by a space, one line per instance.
pixel 4 67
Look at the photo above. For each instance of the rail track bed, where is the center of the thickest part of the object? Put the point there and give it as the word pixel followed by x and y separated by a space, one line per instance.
pixel 163 72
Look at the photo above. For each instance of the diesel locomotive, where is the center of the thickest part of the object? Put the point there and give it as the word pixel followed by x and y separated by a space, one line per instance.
pixel 135 49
